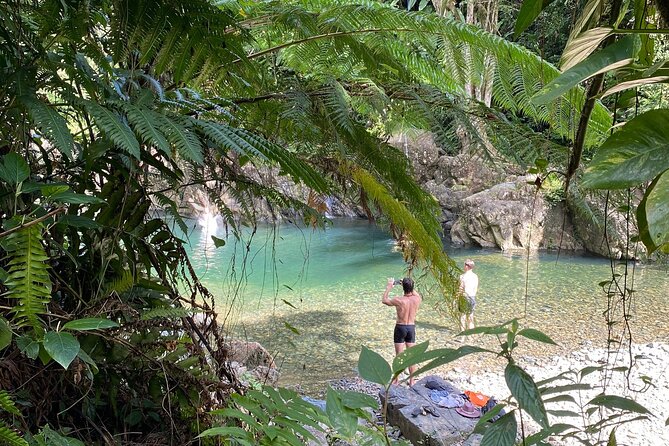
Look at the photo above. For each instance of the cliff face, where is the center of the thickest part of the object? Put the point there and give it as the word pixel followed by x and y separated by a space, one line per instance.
pixel 497 206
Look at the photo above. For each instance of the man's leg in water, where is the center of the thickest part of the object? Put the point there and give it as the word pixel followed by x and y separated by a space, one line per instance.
pixel 412 368
pixel 399 348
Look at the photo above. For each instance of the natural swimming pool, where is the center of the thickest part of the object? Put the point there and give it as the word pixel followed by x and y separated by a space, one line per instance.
pixel 313 298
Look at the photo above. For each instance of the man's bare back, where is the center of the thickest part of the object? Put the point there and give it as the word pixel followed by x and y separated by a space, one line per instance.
pixel 406 306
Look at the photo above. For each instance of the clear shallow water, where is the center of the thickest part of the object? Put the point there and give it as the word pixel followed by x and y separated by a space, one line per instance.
pixel 327 287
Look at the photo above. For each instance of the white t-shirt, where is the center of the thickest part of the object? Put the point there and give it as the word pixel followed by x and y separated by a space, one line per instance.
pixel 470 281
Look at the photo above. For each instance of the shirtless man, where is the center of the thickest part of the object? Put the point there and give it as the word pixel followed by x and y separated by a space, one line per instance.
pixel 405 328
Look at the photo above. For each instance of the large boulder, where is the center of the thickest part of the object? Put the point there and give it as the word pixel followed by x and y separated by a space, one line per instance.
pixel 512 215
pixel 437 426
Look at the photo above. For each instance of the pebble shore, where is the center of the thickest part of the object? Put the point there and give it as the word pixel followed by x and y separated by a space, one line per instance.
pixel 647 361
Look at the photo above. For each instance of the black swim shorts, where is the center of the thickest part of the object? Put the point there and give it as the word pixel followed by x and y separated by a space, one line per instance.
pixel 404 333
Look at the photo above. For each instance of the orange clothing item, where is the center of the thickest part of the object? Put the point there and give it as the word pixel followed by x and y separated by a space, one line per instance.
pixel 477 399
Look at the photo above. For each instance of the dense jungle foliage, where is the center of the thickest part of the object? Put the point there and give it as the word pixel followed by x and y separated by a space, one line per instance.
pixel 112 110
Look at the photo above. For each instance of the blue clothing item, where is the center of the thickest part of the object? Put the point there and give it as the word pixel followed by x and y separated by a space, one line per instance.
pixel 445 399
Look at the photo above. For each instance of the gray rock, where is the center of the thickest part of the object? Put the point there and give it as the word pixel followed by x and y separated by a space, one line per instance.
pixel 432 426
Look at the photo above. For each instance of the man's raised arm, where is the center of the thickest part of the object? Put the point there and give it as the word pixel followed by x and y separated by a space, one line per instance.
pixel 389 286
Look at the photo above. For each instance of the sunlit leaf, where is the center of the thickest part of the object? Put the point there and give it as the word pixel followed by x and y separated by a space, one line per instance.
pixel 536 335
pixel 92 323
pixel 638 152
pixel 653 214
pixel 525 391
pixel 410 356
pixel 373 367
pixel 583 46
pixel 613 56
pixel 618 402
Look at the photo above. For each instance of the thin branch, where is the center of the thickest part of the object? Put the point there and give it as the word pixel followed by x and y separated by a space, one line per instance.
pixel 325 36
pixel 33 222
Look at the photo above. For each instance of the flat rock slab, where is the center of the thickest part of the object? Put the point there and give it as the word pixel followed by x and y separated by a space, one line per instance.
pixel 442 427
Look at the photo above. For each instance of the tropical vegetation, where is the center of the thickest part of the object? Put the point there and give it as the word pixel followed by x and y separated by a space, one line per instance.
pixel 112 112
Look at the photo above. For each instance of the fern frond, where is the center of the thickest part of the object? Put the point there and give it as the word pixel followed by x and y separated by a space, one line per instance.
pixel 9 437
pixel 51 123
pixel 182 137
pixel 145 123
pixel 121 284
pixel 428 247
pixel 169 206
pixel 28 281
pixel 115 128
pixel 7 404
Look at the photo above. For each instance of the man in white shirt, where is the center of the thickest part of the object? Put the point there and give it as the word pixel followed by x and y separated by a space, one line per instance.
pixel 469 285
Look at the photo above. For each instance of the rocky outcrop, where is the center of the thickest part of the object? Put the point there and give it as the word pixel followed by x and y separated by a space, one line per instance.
pixel 422 422
pixel 252 360
pixel 513 215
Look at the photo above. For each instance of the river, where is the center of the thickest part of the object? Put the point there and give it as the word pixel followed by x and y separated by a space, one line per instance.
pixel 313 297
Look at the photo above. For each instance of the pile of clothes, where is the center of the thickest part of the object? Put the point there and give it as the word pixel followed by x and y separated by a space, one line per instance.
pixel 469 404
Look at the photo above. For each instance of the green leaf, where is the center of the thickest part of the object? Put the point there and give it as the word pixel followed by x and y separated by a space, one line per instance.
pixel 411 356
pixel 613 56
pixel 291 328
pixel 14 169
pixel 482 423
pixel 78 221
pixel 218 242
pixel 91 323
pixel 446 355
pixel 536 335
pixel 373 367
pixel 63 347
pixel 555 429
pixel 618 402
pixel 653 214
pixel 5 334
pixel 28 346
pixel 357 400
pixel 344 421
pixel 612 438
pixel 502 432
pixel 74 198
pixel 529 11
pixel 88 360
pixel 525 391
pixel 51 123
pixel 638 152
pixel 227 432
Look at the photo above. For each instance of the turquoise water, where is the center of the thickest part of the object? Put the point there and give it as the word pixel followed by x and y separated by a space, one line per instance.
pixel 313 298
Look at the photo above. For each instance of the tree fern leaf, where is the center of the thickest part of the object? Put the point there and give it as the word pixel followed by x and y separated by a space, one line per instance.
pixel 51 123
pixel 182 137
pixel 121 284
pixel 9 437
pixel 115 128
pixel 28 281
pixel 145 123
pixel 170 207
pixel 7 404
